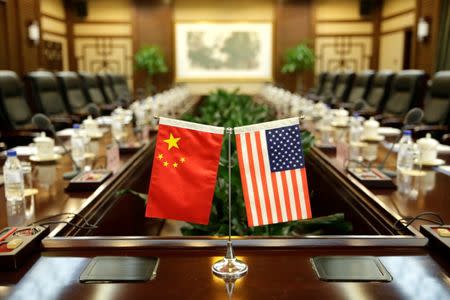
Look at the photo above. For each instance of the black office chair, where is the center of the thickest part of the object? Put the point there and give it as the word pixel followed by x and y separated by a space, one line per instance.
pixel 317 90
pixel 406 92
pixel 329 88
pixel 120 87
pixel 436 117
pixel 437 102
pixel 360 89
pixel 379 92
pixel 105 84
pixel 72 92
pixel 93 92
pixel 343 87
pixel 46 93
pixel 15 112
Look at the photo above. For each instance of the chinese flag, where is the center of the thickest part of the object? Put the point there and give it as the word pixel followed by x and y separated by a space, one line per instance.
pixel 184 171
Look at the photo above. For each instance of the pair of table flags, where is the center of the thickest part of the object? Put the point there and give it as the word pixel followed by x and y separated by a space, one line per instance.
pixel 271 163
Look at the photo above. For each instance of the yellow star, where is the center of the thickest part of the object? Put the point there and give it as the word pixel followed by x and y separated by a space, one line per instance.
pixel 160 156
pixel 165 164
pixel 175 165
pixel 172 141
pixel 182 159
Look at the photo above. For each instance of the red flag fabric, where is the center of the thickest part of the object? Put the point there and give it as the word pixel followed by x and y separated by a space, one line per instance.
pixel 273 175
pixel 184 171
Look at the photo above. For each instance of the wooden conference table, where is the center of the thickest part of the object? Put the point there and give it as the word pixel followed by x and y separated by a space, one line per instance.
pixel 279 267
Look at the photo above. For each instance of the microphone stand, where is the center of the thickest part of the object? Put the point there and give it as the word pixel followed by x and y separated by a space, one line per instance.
pixel 71 174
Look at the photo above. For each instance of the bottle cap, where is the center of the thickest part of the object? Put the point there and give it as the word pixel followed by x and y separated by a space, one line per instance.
pixel 407 132
pixel 76 126
pixel 11 153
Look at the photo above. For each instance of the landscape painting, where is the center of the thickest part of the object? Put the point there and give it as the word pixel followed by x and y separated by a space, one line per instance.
pixel 223 51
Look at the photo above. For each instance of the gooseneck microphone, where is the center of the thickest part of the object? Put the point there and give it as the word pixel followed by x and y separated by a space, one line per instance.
pixel 413 117
pixel 42 122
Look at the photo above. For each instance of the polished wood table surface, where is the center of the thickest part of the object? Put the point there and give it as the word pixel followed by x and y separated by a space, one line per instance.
pixel 53 199
pixel 186 274
pixel 428 192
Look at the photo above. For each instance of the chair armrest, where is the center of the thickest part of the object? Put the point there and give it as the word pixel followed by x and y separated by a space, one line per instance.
pixel 14 138
pixel 437 131
pixel 392 121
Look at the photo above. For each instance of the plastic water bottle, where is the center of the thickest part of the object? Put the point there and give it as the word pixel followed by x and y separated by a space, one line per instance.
pixel 13 177
pixel 77 144
pixel 356 128
pixel 408 152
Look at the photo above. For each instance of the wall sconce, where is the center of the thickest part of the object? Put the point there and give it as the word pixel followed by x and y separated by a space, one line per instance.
pixel 423 29
pixel 34 34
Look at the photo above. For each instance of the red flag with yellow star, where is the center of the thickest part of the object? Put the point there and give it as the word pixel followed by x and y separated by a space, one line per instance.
pixel 184 171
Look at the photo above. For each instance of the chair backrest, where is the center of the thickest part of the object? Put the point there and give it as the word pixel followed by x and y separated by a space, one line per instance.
pixel 91 88
pixel 15 111
pixel 46 93
pixel 106 87
pixel 329 85
pixel 405 92
pixel 318 88
pixel 343 87
pixel 72 91
pixel 437 102
pixel 120 87
pixel 361 86
pixel 379 91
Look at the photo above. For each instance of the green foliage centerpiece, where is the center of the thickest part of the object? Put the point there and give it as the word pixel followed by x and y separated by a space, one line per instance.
pixel 232 109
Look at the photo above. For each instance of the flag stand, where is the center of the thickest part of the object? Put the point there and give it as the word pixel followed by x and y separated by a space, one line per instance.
pixel 229 267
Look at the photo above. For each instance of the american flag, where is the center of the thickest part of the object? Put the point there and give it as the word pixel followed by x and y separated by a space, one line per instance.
pixel 272 167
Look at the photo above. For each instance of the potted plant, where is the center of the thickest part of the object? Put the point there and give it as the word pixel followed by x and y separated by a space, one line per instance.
pixel 297 60
pixel 150 59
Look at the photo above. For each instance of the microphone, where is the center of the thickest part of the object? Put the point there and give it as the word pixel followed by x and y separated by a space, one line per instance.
pixel 93 110
pixel 413 117
pixel 42 122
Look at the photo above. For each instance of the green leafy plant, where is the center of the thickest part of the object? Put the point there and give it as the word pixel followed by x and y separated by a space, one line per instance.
pixel 151 59
pixel 297 60
pixel 232 109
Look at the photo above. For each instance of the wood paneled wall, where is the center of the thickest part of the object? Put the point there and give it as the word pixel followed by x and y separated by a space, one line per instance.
pixel 126 25
pixel 22 55
pixel 153 25
pixel 4 64
pixel 293 24
pixel 425 52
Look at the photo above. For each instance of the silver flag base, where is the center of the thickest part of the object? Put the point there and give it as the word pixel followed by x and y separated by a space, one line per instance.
pixel 230 267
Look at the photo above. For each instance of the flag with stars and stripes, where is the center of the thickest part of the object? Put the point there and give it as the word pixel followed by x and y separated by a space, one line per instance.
pixel 272 167
pixel 184 171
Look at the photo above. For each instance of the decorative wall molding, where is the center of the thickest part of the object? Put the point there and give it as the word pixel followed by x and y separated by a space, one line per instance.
pixel 342 53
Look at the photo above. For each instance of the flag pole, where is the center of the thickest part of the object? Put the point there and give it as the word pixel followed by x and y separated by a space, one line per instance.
pixel 229 267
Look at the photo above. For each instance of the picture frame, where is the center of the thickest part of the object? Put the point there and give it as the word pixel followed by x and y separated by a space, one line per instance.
pixel 224 51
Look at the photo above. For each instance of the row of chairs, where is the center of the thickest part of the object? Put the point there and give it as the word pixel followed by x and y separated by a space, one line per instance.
pixel 62 96
pixel 388 94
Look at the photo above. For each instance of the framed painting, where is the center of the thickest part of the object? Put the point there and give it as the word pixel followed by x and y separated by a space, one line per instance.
pixel 223 51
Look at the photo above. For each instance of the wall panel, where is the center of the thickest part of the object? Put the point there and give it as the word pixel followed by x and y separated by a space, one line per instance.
pixel 391 51
pixel 3 37
pixel 293 25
